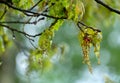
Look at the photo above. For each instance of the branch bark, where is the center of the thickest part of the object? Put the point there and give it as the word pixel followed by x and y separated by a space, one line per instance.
pixel 22 22
pixel 15 30
pixel 80 24
pixel 108 7
pixel 31 13
pixel 5 10
pixel 35 5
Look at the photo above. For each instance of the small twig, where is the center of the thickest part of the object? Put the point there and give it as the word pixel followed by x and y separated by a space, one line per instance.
pixel 20 22
pixel 24 33
pixel 79 27
pixel 29 38
pixel 5 10
pixel 46 9
pixel 32 44
pixel 15 8
pixel 53 23
pixel 49 16
pixel 35 14
pixel 87 27
pixel 108 7
pixel 35 5
pixel 31 13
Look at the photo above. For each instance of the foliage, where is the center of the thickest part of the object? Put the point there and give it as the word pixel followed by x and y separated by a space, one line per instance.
pixel 56 11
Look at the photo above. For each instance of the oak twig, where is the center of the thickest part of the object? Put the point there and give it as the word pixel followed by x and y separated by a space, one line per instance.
pixel 31 13
pixel 5 10
pixel 86 26
pixel 24 33
pixel 35 5
pixel 108 7
pixel 23 22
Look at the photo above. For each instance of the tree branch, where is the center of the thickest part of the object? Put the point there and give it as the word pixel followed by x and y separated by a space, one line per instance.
pixel 79 27
pixel 31 13
pixel 24 33
pixel 86 26
pixel 15 8
pixel 108 7
pixel 5 10
pixel 35 5
pixel 25 22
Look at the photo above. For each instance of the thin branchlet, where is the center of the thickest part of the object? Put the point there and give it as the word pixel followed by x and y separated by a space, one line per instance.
pixel 31 13
pixel 21 32
pixel 35 5
pixel 5 10
pixel 108 7
pixel 24 33
pixel 22 22
pixel 86 26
